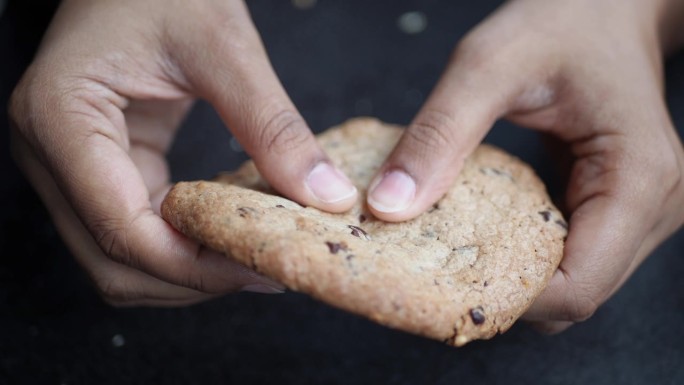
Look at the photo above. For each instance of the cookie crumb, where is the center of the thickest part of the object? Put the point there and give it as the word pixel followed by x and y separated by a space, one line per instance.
pixel 461 340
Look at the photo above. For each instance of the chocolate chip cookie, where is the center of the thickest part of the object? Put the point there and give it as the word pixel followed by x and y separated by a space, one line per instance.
pixel 466 269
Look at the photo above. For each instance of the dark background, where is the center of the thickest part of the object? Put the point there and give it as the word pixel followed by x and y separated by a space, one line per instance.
pixel 338 59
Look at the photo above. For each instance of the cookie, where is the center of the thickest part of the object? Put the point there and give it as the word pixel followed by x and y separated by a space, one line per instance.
pixel 466 269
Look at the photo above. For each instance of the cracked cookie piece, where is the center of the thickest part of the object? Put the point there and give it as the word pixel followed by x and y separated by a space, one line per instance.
pixel 466 269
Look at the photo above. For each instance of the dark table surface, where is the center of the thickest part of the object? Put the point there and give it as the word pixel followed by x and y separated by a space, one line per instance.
pixel 338 59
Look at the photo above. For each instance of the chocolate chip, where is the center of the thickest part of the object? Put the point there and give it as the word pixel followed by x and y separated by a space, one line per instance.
pixel 280 206
pixel 245 212
pixel 434 207
pixel 562 224
pixel 491 170
pixel 485 284
pixel 336 247
pixel 496 172
pixel 359 232
pixel 355 231
pixel 362 218
pixel 477 315
pixel 546 215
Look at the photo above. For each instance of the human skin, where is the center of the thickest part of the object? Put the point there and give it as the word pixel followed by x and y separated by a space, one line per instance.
pixel 588 73
pixel 95 113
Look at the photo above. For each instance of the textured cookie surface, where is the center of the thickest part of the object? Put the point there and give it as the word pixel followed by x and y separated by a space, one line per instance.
pixel 464 270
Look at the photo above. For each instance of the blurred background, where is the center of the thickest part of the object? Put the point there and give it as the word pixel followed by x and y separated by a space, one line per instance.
pixel 337 59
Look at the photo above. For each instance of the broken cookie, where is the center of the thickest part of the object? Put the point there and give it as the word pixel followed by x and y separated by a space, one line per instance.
pixel 464 270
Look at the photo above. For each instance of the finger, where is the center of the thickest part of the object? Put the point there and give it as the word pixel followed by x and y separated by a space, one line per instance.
pixel 553 304
pixel 654 238
pixel 662 230
pixel 118 284
pixel 150 138
pixel 226 64
pixel 613 215
pixel 101 183
pixel 475 90
pixel 602 241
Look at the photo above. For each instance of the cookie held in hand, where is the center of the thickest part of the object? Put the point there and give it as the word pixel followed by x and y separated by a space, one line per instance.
pixel 466 269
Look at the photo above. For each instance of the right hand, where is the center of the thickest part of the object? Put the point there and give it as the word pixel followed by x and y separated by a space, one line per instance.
pixel 98 108
pixel 589 73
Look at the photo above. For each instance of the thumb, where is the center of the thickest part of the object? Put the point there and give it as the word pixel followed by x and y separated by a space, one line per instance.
pixel 468 99
pixel 229 67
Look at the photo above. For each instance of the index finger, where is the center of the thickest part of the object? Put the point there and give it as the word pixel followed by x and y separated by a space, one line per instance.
pixel 481 83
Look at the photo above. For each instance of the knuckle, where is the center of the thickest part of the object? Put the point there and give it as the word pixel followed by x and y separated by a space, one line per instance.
pixel 582 309
pixel 284 132
pixel 44 107
pixel 432 129
pixel 580 301
pixel 113 238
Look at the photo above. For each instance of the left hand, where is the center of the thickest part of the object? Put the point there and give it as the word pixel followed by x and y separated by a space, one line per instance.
pixel 590 73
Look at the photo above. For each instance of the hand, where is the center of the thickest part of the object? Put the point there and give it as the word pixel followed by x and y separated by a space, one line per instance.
pixel 590 73
pixel 95 113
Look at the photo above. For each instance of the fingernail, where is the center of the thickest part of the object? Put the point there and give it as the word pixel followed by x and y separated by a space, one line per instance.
pixel 328 184
pixel 261 288
pixel 392 192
